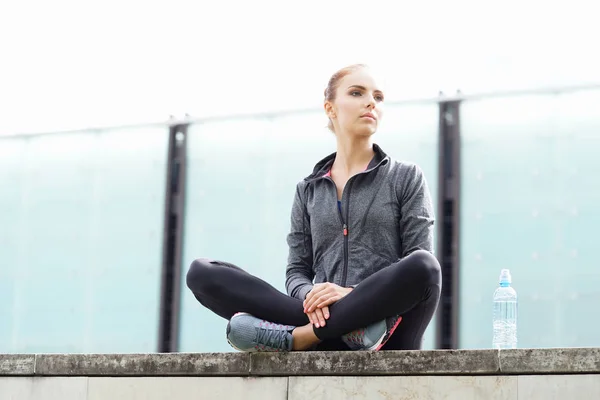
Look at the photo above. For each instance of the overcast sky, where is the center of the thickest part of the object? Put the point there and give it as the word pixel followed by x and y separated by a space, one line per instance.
pixel 75 64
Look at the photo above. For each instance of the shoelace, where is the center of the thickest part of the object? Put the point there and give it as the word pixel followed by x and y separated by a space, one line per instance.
pixel 273 338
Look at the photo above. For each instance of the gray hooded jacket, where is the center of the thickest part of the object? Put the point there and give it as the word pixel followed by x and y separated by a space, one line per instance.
pixel 386 214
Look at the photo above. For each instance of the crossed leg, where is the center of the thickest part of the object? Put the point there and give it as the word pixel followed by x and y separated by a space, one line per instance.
pixel 410 287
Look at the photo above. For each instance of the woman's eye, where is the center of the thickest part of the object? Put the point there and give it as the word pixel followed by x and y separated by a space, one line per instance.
pixel 379 98
pixel 354 93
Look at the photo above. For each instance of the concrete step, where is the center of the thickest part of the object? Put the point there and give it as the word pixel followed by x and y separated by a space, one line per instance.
pixel 441 374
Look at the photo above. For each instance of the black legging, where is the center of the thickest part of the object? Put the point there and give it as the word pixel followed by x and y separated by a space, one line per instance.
pixel 410 288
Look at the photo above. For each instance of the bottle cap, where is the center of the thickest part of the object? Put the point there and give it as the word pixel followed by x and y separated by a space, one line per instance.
pixel 505 276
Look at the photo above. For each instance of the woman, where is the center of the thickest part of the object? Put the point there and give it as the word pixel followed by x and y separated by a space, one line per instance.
pixel 361 230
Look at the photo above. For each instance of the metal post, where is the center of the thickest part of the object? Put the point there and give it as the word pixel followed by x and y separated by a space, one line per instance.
pixel 170 295
pixel 448 234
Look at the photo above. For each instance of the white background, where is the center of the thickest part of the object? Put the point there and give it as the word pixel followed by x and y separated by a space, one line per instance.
pixel 74 64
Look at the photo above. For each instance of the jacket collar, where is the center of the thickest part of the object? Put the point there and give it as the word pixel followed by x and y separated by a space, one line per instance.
pixel 323 166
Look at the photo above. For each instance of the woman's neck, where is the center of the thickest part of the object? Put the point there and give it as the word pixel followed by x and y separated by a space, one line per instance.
pixel 353 155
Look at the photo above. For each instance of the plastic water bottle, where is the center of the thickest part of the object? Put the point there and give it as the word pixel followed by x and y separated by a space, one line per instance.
pixel 505 314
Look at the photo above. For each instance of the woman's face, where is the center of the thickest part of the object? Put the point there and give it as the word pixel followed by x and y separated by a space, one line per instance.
pixel 358 105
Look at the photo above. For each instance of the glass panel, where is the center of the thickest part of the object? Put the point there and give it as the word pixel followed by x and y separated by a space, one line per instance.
pixel 410 133
pixel 239 196
pixel 81 240
pixel 529 203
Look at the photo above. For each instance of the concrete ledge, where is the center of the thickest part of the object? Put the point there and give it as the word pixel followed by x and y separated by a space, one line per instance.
pixel 448 362
pixel 550 361
pixel 17 364
pixel 176 364
pixel 393 363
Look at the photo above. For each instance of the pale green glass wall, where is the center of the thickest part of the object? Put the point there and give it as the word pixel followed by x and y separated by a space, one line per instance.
pixel 81 240
pixel 530 195
pixel 241 182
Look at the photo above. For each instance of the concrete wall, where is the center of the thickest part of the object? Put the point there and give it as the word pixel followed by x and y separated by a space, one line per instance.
pixel 542 387
pixel 561 374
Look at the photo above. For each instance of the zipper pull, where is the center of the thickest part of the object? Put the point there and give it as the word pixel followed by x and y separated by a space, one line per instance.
pixel 345 230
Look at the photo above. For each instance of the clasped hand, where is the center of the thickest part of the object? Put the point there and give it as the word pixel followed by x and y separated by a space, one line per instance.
pixel 318 300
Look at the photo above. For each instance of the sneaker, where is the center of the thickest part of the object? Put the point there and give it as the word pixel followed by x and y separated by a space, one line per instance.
pixel 248 333
pixel 374 336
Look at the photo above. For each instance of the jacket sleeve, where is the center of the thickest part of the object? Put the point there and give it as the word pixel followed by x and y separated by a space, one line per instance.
pixel 299 273
pixel 416 210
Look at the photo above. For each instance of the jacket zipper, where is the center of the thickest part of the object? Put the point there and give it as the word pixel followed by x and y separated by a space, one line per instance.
pixel 344 229
pixel 345 232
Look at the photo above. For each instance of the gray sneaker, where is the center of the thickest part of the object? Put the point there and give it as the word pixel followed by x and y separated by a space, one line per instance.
pixel 248 333
pixel 374 336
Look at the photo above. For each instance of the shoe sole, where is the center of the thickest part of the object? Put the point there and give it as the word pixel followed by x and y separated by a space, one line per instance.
pixel 235 348
pixel 384 339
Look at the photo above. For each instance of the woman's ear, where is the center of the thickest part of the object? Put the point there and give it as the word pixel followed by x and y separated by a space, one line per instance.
pixel 329 109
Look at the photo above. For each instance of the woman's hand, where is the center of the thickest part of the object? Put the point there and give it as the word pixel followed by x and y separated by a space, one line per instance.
pixel 318 317
pixel 322 295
